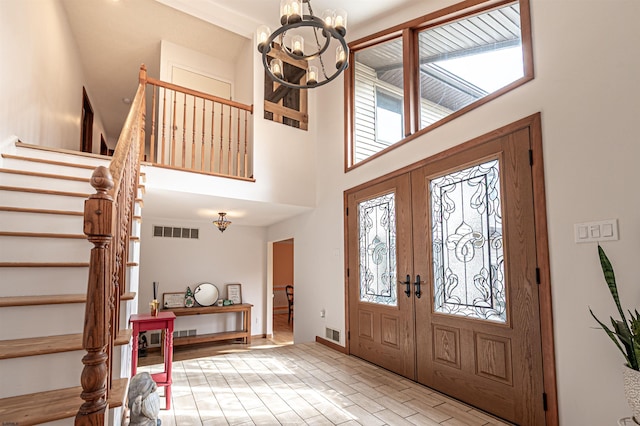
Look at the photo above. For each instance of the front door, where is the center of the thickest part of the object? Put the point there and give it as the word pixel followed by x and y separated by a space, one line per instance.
pixel 478 324
pixel 470 325
pixel 379 239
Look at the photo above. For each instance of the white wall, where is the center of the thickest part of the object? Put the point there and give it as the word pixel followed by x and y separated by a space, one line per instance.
pixel 236 256
pixel 41 77
pixel 172 55
pixel 587 89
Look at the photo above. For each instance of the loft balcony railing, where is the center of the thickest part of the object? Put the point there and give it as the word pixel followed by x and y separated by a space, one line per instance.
pixel 198 132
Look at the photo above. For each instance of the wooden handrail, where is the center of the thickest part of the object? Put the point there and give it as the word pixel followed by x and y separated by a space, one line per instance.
pixel 108 215
pixel 192 92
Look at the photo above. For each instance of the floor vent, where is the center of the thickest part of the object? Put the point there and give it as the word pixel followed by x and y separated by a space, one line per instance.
pixel 332 334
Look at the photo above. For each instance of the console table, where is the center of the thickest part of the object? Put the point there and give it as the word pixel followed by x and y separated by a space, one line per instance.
pixel 145 322
pixel 245 333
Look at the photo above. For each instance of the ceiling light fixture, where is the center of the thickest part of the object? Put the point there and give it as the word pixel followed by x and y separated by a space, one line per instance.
pixel 332 26
pixel 222 222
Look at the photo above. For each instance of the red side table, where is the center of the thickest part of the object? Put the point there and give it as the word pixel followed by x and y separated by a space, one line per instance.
pixel 145 322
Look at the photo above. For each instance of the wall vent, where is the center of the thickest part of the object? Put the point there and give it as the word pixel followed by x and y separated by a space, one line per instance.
pixel 175 232
pixel 332 334
pixel 155 339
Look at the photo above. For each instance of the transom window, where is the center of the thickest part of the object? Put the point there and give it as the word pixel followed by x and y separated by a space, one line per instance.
pixel 409 81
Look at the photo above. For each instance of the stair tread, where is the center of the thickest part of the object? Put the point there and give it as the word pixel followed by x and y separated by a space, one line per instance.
pixel 43 264
pixel 40 211
pixel 41 235
pixel 53 299
pixel 43 191
pixel 51 264
pixel 44 175
pixel 42 407
pixel 42 160
pixel 18 348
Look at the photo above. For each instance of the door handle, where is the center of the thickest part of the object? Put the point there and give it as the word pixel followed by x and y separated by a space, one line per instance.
pixel 417 285
pixel 407 291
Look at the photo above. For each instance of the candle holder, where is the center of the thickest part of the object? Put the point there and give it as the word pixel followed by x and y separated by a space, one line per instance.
pixel 154 307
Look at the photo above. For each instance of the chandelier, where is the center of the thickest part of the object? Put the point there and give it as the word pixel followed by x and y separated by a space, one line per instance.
pixel 305 37
pixel 222 222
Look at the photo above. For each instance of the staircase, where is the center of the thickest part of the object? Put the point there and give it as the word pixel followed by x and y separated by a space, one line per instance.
pixel 44 267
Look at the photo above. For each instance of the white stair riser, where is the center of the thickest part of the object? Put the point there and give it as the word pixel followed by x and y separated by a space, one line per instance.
pixel 53 371
pixel 25 181
pixel 41 201
pixel 42 281
pixel 21 322
pixel 32 166
pixel 27 249
pixel 39 222
pixel 60 156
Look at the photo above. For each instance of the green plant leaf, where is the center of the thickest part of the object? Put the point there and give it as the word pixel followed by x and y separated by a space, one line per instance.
pixel 612 335
pixel 624 332
pixel 610 278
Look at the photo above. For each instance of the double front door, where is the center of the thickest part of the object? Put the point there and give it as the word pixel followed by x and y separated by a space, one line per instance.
pixel 442 277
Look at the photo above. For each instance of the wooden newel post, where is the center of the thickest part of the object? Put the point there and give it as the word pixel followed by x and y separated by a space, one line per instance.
pixel 142 75
pixel 98 223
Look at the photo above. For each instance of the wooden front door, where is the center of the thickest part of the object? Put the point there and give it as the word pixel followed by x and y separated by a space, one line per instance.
pixel 379 240
pixel 470 326
pixel 478 324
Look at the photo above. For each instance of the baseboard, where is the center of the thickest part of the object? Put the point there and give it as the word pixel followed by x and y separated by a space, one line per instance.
pixel 331 345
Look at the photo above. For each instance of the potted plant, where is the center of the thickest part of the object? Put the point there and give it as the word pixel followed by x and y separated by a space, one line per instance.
pixel 625 333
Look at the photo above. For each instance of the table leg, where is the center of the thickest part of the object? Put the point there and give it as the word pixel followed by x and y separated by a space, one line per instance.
pixel 247 319
pixel 134 354
pixel 168 363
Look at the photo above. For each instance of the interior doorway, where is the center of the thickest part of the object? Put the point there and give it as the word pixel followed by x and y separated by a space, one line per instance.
pixel 283 283
pixel 86 139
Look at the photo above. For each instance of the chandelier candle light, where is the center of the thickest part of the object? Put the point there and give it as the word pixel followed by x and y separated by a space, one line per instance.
pixel 331 26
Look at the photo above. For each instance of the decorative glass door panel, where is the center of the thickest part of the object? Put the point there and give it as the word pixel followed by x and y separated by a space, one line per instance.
pixel 468 261
pixel 377 237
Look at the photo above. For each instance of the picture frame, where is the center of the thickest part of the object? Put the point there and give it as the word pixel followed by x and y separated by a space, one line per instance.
pixel 172 300
pixel 234 293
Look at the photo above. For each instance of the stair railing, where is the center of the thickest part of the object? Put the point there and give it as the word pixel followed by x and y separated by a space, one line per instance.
pixel 108 216
pixel 199 132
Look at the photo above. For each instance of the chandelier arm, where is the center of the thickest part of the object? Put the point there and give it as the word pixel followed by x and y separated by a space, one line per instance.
pixel 316 24
pixel 344 66
pixel 307 21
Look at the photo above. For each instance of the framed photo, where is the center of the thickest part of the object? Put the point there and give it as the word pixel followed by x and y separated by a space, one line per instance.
pixel 172 300
pixel 234 293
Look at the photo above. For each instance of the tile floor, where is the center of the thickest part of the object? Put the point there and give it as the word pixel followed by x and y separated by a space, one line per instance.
pixel 303 384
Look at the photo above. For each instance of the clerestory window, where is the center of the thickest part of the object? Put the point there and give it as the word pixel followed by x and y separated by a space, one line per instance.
pixel 417 76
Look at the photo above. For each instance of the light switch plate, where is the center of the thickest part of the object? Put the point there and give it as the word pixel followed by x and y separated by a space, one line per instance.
pixel 589 232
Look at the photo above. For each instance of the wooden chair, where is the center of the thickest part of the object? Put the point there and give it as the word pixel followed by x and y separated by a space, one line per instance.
pixel 289 290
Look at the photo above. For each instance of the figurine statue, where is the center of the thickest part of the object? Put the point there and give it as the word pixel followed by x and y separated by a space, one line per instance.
pixel 144 402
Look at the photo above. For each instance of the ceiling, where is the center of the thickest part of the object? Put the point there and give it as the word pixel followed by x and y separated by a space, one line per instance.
pixel 115 37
